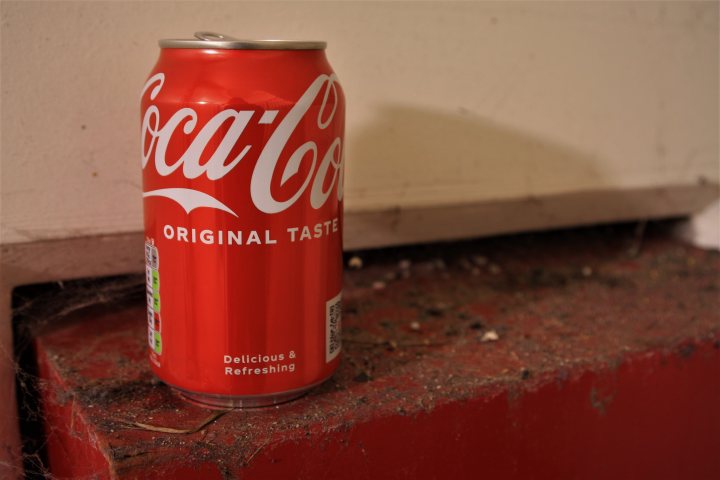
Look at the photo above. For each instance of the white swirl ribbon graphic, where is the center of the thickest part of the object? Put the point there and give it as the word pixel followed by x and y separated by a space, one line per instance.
pixel 190 199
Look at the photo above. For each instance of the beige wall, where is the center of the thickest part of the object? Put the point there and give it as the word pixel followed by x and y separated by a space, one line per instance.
pixel 449 103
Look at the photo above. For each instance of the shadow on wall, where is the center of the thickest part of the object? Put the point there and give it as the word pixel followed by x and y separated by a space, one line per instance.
pixel 409 151
pixel 417 175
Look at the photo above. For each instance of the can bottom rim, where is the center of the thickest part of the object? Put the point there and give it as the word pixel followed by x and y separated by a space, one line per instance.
pixel 223 402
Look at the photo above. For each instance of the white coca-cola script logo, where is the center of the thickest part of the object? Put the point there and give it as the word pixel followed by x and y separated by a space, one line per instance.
pixel 155 141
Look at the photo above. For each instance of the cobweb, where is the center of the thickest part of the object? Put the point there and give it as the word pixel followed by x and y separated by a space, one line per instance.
pixel 34 308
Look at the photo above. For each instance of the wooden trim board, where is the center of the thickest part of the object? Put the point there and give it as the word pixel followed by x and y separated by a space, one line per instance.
pixel 50 260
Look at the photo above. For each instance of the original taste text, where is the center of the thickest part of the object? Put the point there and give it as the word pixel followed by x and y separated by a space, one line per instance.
pixel 293 234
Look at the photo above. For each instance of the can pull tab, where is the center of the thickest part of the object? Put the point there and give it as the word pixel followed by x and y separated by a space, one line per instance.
pixel 213 37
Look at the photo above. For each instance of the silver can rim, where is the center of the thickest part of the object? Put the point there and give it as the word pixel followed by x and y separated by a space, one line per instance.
pixel 212 40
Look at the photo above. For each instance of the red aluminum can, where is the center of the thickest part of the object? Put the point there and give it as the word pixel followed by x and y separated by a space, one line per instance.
pixel 242 154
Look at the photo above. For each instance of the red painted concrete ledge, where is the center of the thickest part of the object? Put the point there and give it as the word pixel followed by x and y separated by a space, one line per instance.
pixel 606 364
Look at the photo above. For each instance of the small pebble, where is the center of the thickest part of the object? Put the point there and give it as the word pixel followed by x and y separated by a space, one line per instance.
pixel 362 377
pixel 415 326
pixel 404 264
pixel 390 276
pixel 355 263
pixel 586 271
pixel 475 272
pixel 379 285
pixel 426 267
pixel 495 269
pixel 490 336
pixel 479 260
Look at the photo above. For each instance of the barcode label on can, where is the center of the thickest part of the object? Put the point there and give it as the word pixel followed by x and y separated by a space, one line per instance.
pixel 333 327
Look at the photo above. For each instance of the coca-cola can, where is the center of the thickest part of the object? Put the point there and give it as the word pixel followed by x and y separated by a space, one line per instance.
pixel 243 161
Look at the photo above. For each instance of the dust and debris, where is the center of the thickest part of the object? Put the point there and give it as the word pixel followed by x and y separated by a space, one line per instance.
pixel 355 262
pixel 490 336
pixel 390 276
pixel 638 237
pixel 406 350
pixel 178 431
pixel 600 402
pixel 686 350
pixel 45 308
pixel 362 377
pixel 438 309
pixel 479 260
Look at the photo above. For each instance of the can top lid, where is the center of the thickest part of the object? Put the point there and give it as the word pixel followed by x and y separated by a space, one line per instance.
pixel 226 42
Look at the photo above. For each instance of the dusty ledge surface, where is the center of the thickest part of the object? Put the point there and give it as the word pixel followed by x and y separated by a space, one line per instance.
pixel 424 328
